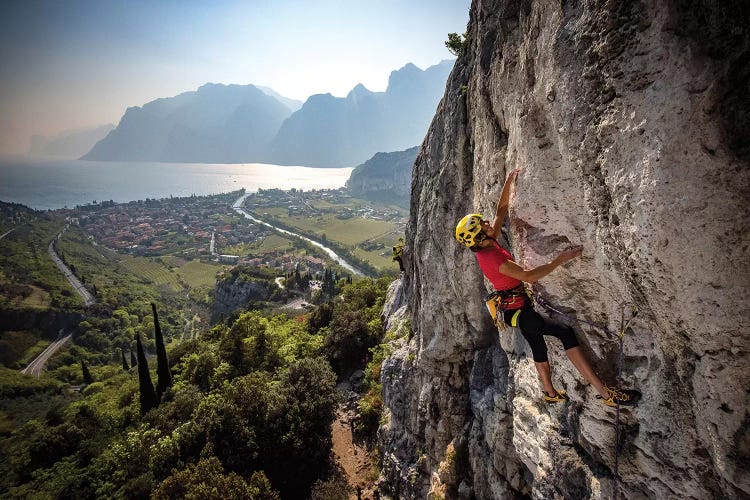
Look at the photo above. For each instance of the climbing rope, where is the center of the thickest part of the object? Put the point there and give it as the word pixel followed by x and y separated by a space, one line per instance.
pixel 623 327
pixel 620 335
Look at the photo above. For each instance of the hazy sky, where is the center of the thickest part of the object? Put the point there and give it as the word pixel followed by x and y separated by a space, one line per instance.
pixel 67 64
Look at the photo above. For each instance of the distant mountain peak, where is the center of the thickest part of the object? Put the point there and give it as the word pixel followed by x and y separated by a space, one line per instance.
pixel 358 91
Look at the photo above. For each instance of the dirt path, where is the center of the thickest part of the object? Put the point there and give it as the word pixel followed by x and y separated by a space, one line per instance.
pixel 353 458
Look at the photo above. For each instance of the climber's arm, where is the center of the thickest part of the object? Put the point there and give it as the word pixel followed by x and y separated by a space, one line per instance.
pixel 510 268
pixel 501 212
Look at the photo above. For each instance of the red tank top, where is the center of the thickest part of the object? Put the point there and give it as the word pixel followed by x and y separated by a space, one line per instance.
pixel 490 259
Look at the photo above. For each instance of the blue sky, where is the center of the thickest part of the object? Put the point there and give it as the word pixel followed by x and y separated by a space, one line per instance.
pixel 73 63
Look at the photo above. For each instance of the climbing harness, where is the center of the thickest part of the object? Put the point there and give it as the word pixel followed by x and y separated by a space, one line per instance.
pixel 620 335
pixel 497 302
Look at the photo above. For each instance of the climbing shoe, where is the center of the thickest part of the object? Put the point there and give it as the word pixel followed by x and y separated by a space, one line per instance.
pixel 625 397
pixel 559 396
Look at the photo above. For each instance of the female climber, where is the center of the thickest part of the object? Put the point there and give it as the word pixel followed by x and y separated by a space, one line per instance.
pixel 513 306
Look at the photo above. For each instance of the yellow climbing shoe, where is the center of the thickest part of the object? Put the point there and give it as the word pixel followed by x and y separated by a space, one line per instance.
pixel 559 396
pixel 625 397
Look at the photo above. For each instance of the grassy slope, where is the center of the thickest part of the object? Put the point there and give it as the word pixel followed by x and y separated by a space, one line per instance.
pixel 24 261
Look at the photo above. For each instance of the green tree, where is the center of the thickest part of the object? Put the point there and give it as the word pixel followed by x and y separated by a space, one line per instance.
pixel 147 393
pixel 124 361
pixel 320 317
pixel 164 376
pixel 301 418
pixel 348 342
pixel 207 480
pixel 87 378
pixel 457 44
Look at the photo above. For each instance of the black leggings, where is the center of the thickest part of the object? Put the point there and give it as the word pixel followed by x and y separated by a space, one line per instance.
pixel 534 327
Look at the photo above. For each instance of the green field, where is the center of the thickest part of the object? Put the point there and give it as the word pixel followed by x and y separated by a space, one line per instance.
pixel 109 270
pixel 347 231
pixel 172 273
pixel 270 243
pixel 351 233
pixel 152 272
pixel 199 274
pixel 369 238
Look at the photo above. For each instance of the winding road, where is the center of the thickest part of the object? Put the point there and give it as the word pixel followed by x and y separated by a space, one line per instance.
pixel 6 233
pixel 88 299
pixel 237 206
pixel 37 365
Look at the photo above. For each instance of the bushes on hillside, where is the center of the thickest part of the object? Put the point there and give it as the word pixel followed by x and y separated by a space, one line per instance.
pixel 249 413
pixel 352 325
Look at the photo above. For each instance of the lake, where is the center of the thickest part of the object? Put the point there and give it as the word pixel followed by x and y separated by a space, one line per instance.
pixel 49 184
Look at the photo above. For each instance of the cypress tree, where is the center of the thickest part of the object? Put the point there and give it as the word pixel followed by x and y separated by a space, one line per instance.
pixel 87 378
pixel 124 362
pixel 147 393
pixel 164 379
pixel 133 360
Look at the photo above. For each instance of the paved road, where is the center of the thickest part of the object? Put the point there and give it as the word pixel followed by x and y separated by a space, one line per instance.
pixel 295 304
pixel 88 299
pixel 37 365
pixel 6 233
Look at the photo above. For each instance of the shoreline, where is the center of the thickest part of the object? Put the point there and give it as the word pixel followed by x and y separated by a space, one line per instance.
pixel 65 184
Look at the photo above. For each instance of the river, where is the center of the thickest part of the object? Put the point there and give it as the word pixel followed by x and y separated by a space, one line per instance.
pixel 237 206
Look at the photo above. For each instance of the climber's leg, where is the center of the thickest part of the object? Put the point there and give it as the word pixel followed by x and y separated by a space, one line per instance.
pixel 531 325
pixel 584 368
pixel 545 376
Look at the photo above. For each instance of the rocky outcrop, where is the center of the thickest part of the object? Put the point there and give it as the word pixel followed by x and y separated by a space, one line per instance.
pixel 384 177
pixel 629 122
pixel 238 290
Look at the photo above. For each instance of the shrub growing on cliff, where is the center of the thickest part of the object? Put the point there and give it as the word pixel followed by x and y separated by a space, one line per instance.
pixel 457 44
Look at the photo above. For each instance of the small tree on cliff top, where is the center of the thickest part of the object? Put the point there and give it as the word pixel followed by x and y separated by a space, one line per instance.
pixel 457 44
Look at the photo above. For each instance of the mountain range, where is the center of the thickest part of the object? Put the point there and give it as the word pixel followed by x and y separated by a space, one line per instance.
pixel 244 123
pixel 69 144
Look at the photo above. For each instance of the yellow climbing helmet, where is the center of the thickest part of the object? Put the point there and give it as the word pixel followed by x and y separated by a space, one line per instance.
pixel 468 229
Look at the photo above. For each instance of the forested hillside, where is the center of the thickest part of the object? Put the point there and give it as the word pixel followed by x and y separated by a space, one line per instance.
pixel 248 415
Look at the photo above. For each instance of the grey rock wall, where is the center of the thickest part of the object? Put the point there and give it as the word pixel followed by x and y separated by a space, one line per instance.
pixel 629 121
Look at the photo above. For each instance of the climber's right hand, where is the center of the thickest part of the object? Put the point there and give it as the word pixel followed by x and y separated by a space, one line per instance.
pixel 569 254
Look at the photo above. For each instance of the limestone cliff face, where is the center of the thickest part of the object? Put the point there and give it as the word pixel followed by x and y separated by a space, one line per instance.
pixel 629 121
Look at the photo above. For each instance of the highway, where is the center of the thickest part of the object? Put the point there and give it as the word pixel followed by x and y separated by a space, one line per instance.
pixel 37 365
pixel 6 233
pixel 88 299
